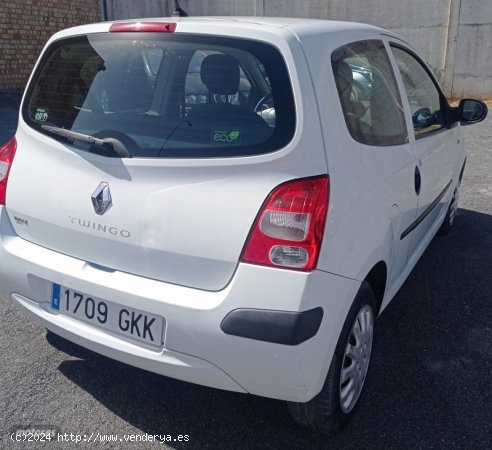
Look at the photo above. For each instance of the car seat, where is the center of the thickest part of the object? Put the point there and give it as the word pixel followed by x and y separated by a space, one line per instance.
pixel 220 74
pixel 353 110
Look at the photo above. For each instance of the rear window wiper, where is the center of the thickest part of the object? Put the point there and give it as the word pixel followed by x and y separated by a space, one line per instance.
pixel 106 146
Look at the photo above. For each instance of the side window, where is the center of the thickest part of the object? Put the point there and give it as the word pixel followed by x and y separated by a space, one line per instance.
pixel 152 59
pixel 125 82
pixel 369 94
pixel 423 95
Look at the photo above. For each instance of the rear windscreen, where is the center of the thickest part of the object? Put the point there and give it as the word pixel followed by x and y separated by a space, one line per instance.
pixel 165 95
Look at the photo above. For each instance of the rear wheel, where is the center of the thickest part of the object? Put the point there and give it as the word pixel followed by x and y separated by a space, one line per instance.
pixel 333 407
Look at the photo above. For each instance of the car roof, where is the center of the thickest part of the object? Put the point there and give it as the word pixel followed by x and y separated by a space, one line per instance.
pixel 217 24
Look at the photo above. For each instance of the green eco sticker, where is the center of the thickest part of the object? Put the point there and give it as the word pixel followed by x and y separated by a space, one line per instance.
pixel 233 135
pixel 226 136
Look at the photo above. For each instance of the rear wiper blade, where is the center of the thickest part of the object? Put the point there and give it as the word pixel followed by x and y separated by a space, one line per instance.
pixel 107 145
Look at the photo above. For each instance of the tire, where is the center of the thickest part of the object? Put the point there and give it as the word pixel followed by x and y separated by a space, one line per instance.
pixel 331 410
pixel 449 220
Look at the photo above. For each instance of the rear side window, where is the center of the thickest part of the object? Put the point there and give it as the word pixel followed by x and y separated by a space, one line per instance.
pixel 369 94
pixel 165 95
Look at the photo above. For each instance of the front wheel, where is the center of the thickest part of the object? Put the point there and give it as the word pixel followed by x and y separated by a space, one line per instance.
pixel 448 223
pixel 333 407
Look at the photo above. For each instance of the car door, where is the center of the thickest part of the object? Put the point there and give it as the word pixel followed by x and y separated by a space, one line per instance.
pixel 380 157
pixel 432 144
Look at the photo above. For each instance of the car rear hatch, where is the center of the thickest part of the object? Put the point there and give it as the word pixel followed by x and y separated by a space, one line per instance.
pixel 151 153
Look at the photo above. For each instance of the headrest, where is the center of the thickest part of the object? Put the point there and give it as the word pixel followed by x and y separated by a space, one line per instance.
pixel 220 73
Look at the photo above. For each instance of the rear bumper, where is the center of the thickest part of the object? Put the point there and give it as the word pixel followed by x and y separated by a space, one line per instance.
pixel 167 362
pixel 195 349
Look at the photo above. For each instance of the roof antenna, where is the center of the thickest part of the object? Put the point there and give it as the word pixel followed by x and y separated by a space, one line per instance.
pixel 178 11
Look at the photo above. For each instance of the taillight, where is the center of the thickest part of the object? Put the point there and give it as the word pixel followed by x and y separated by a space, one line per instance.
pixel 288 230
pixel 143 27
pixel 7 153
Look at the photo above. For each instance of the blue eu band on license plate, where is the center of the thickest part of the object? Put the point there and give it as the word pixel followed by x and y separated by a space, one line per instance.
pixel 55 297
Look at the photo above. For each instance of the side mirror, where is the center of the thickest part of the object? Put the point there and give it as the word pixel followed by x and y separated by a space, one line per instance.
pixel 472 111
pixel 422 118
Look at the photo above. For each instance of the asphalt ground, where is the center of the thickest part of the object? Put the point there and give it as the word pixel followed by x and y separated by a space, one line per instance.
pixel 429 384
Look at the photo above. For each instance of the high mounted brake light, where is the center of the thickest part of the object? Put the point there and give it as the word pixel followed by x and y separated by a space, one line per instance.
pixel 143 27
pixel 288 230
pixel 7 153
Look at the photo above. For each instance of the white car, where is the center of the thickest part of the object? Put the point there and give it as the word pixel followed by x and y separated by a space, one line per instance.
pixel 240 228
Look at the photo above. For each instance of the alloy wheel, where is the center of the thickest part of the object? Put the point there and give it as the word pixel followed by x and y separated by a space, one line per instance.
pixel 453 207
pixel 356 359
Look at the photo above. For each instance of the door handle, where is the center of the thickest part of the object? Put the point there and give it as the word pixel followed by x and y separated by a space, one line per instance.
pixel 417 180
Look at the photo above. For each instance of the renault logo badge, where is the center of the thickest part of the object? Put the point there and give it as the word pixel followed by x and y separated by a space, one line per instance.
pixel 101 198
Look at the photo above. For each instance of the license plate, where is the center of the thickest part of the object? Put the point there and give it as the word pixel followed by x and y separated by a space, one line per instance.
pixel 130 322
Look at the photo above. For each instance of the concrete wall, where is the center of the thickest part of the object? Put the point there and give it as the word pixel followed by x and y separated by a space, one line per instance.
pixel 425 28
pixel 472 65
pixel 130 9
pixel 453 36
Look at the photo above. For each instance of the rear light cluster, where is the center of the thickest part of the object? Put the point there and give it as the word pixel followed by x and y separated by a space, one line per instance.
pixel 7 153
pixel 288 230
